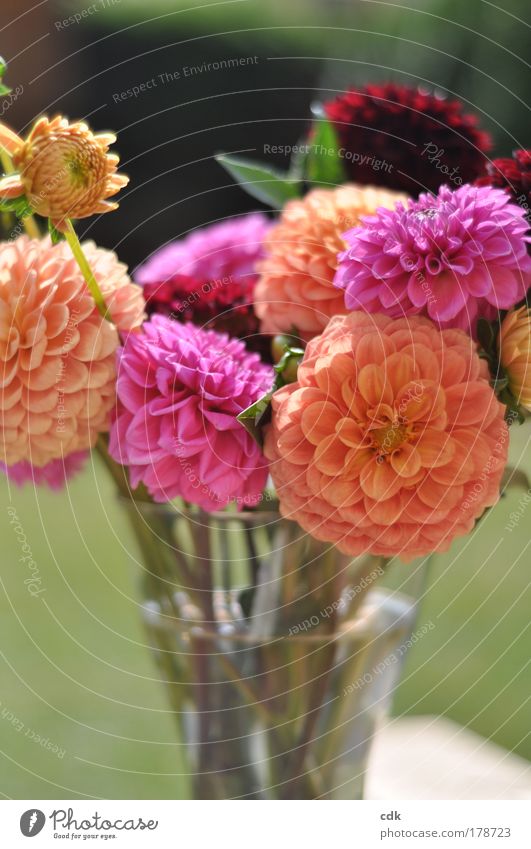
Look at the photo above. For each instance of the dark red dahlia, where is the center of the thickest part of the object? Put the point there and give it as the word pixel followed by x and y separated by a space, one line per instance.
pixel 407 138
pixel 208 278
pixel 222 305
pixel 511 174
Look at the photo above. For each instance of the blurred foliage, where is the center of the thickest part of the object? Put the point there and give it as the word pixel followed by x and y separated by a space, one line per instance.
pixel 475 50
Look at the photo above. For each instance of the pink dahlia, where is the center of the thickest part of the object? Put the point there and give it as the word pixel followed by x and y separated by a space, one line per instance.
pixel 180 389
pixel 53 475
pixel 57 354
pixel 209 276
pixel 391 441
pixel 454 257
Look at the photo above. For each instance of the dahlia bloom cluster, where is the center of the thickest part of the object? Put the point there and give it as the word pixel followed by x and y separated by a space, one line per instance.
pixel 295 291
pixel 209 277
pixel 57 354
pixel 453 257
pixel 391 441
pixel 180 389
pixel 408 131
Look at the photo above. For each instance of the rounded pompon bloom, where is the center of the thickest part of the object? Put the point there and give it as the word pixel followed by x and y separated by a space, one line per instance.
pixel 391 441
pixel 295 291
pixel 209 276
pixel 53 475
pixel 57 354
pixel 514 344
pixel 179 390
pixel 453 257
pixel 406 138
pixel 514 175
pixel 65 171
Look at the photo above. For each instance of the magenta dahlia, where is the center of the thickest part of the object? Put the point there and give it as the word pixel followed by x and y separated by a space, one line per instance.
pixel 54 474
pixel 179 390
pixel 511 174
pixel 453 257
pixel 209 277
pixel 406 138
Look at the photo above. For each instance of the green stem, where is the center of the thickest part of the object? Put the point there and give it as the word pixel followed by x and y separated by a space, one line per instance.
pixel 31 227
pixel 296 771
pixel 7 165
pixel 80 258
pixel 120 477
pixel 372 567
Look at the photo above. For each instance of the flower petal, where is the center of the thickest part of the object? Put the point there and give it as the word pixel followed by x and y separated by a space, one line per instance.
pixel 379 480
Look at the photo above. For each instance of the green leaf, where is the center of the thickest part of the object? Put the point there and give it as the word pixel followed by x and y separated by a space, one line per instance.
pixel 3 88
pixel 55 234
pixel 287 366
pixel 254 418
pixel 324 165
pixel 19 206
pixel 257 415
pixel 513 412
pixel 499 383
pixel 486 335
pixel 260 181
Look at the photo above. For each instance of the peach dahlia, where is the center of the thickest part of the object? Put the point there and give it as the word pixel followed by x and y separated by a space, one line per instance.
pixel 295 290
pixel 391 441
pixel 57 354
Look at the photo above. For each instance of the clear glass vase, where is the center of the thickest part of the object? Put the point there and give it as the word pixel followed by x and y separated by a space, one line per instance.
pixel 279 653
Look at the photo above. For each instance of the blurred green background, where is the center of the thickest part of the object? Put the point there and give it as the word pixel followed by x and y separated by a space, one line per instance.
pixel 74 668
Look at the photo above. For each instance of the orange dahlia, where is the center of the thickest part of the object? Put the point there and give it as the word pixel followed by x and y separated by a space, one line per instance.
pixel 391 441
pixel 295 290
pixel 64 170
pixel 57 354
pixel 514 344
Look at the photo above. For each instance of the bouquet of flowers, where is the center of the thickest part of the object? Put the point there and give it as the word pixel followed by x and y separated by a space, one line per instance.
pixel 287 404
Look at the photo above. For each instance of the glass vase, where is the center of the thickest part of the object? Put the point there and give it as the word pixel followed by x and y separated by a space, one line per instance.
pixel 279 653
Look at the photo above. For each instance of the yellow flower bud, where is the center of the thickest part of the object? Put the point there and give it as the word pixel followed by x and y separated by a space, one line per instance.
pixel 514 344
pixel 65 171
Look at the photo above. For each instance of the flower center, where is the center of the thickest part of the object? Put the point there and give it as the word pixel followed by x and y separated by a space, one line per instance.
pixel 79 173
pixel 425 214
pixel 387 439
pixel 427 222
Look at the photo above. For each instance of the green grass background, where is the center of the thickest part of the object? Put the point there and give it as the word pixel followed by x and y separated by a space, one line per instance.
pixel 74 667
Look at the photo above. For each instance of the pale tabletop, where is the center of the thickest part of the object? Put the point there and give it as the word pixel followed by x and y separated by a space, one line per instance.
pixel 430 757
